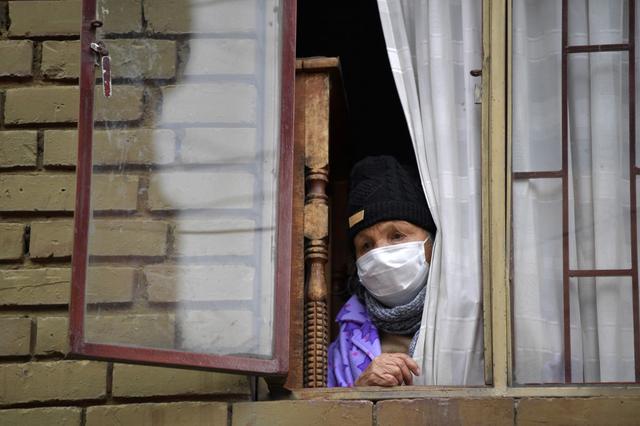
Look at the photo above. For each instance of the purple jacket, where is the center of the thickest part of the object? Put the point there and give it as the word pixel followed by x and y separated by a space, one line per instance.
pixel 357 345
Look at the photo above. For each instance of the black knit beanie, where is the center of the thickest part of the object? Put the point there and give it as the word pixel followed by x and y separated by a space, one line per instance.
pixel 382 189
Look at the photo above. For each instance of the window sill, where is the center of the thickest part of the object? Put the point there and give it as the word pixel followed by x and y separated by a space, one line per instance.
pixel 374 393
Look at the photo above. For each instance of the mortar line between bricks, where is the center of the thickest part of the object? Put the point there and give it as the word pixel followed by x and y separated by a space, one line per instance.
pixel 40 150
pixel 26 241
pixel 143 20
pixel 78 403
pixel 33 335
pixel 15 359
pixel 2 98
pixel 83 416
pixel 4 12
pixel 109 384
pixel 36 60
pixel 228 398
pixel 45 37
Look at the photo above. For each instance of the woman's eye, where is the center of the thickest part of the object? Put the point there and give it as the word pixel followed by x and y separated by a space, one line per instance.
pixel 397 236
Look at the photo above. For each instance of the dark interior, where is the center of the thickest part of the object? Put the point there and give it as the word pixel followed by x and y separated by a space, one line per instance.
pixel 351 30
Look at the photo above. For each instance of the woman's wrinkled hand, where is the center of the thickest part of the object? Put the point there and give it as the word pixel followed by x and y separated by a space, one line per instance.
pixel 389 369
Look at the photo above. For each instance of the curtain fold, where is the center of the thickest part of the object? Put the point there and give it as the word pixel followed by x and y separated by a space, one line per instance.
pixel 432 46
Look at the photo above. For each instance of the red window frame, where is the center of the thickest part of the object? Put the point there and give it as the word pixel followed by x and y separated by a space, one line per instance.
pixel 563 174
pixel 279 364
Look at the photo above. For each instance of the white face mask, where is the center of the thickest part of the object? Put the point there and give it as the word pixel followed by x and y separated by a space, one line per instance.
pixel 394 274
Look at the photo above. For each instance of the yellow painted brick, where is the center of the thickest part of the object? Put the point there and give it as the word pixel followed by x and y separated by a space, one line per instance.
pixel 18 148
pixel 311 413
pixel 171 414
pixel 11 241
pixel 114 192
pixel 51 336
pixel 107 284
pixel 209 103
pixel 59 104
pixel 50 286
pixel 125 104
pixel 51 239
pixel 61 59
pixel 43 286
pixel 58 380
pixel 458 411
pixel 129 238
pixel 201 190
pixel 188 16
pixel 152 330
pixel 15 335
pixel 120 16
pixel 578 411
pixel 146 330
pixel 137 58
pixel 37 193
pixel 112 237
pixel 41 104
pixel 172 283
pixel 62 17
pixel 220 331
pixel 219 146
pixel 138 381
pixel 220 237
pixel 221 56
pixel 58 416
pixel 58 192
pixel 36 18
pixel 113 147
pixel 143 58
pixel 17 57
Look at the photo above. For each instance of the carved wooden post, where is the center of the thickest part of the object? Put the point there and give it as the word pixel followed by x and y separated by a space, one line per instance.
pixel 316 227
pixel 316 256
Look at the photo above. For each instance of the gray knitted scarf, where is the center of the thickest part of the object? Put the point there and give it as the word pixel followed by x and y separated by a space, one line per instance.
pixel 402 319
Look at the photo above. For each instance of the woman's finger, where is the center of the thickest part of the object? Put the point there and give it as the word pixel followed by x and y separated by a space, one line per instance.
pixel 410 362
pixel 401 363
pixel 406 374
pixel 389 379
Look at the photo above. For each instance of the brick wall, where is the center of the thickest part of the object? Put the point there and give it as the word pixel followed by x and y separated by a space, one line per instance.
pixel 151 148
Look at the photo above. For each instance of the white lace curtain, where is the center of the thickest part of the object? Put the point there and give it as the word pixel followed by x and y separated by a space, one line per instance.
pixel 599 215
pixel 432 46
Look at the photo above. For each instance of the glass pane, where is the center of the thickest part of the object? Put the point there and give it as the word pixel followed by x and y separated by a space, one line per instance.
pixel 599 161
pixel 598 22
pixel 601 330
pixel 182 239
pixel 537 85
pixel 537 280
pixel 598 203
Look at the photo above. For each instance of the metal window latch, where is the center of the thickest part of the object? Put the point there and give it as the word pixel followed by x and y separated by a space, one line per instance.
pixel 477 88
pixel 104 61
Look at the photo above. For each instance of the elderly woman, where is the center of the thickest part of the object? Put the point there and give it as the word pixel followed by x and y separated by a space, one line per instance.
pixel 392 231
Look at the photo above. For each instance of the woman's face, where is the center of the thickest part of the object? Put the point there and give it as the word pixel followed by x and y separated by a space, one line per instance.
pixel 388 233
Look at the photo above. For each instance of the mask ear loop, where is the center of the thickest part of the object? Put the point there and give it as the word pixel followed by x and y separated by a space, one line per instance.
pixel 427 254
